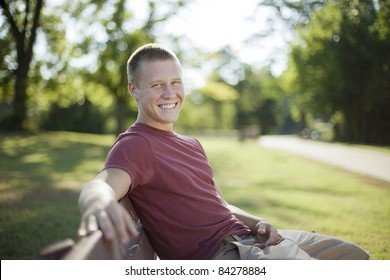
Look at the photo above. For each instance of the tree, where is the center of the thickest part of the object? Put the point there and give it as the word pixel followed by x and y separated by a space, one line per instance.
pixel 259 101
pixel 83 50
pixel 219 94
pixel 50 77
pixel 342 69
pixel 23 20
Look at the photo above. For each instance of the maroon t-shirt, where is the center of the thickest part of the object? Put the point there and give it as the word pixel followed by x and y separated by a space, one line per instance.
pixel 173 192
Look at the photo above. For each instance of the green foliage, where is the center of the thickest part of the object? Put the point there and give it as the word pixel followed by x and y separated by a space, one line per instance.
pixel 262 102
pixel 198 114
pixel 338 63
pixel 7 65
pixel 339 68
pixel 79 117
pixel 218 96
pixel 22 22
pixel 218 92
pixel 80 43
pixel 257 100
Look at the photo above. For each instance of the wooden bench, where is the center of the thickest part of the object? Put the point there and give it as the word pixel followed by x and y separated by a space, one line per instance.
pixel 95 247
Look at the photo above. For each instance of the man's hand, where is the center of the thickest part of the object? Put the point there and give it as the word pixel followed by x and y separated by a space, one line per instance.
pixel 100 209
pixel 266 234
pixel 112 219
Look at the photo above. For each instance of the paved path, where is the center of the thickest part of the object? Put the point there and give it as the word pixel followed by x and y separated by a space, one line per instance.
pixel 371 163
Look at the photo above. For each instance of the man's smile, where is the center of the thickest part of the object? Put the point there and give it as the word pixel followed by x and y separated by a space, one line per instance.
pixel 168 106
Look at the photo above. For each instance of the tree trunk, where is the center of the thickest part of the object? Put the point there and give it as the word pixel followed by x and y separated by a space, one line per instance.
pixel 20 97
pixel 25 36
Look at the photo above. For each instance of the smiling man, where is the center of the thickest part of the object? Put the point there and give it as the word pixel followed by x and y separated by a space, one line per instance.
pixel 158 88
pixel 171 185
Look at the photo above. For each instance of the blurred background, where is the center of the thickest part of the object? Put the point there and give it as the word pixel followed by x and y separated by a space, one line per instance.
pixel 277 67
pixel 318 70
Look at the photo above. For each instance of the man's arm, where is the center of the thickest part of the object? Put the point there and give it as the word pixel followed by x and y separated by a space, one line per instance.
pixel 99 207
pixel 248 219
pixel 266 232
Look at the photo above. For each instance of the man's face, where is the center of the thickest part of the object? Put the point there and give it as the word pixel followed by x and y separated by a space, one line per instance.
pixel 159 93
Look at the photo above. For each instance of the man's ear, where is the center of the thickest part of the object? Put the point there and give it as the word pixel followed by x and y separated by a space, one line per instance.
pixel 133 90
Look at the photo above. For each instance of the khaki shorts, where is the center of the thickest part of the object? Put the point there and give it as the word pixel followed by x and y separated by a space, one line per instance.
pixel 294 245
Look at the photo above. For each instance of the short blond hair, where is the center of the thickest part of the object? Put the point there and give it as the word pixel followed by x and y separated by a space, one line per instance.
pixel 147 53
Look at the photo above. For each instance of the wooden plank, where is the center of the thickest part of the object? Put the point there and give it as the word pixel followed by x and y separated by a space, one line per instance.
pixel 96 247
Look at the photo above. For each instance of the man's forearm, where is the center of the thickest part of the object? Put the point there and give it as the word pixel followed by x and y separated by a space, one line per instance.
pixel 248 219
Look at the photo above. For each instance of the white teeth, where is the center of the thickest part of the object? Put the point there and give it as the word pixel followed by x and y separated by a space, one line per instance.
pixel 167 106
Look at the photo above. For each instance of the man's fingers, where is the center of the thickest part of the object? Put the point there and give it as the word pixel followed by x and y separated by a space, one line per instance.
pixel 130 225
pixel 92 224
pixel 273 237
pixel 267 235
pixel 82 229
pixel 113 221
pixel 260 245
pixel 105 225
pixel 123 222
pixel 262 227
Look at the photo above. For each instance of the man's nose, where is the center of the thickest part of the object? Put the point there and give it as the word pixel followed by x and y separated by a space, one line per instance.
pixel 168 91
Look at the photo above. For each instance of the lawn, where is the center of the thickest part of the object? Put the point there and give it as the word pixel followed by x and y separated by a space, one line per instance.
pixel 41 176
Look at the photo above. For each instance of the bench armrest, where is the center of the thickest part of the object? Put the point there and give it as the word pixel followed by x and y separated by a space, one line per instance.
pixel 95 247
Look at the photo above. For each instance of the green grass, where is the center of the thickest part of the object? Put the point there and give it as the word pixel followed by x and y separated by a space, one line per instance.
pixel 297 193
pixel 41 176
pixel 40 179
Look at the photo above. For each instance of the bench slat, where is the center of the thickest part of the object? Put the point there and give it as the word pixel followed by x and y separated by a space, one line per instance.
pixel 95 247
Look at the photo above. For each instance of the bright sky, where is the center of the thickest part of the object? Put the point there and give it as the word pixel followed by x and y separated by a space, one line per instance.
pixel 213 24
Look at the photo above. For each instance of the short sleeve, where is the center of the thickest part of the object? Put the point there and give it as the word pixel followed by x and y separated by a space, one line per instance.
pixel 132 154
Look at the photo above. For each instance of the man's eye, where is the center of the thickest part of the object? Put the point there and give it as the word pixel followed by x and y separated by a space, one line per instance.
pixel 158 85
